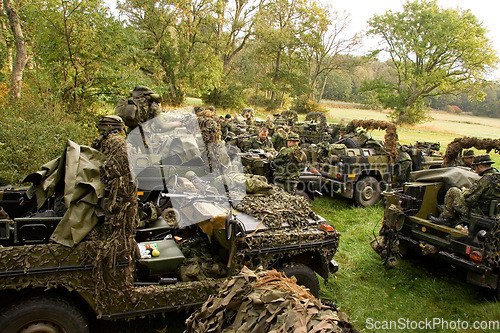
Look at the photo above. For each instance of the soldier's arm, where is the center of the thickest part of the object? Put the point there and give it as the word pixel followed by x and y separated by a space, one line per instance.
pixel 473 194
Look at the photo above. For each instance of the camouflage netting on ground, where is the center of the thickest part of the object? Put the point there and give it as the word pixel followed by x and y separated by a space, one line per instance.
pixel 456 146
pixel 265 301
pixel 277 208
pixel 390 138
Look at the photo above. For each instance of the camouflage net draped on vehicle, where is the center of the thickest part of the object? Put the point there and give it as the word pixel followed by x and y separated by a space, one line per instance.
pixel 265 301
pixel 390 138
pixel 277 208
pixel 456 146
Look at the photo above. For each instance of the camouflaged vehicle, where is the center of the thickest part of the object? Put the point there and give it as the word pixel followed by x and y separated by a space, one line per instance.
pixel 63 264
pixel 359 167
pixel 473 244
pixel 356 170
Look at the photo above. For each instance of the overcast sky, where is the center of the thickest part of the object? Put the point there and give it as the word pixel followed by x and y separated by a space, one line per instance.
pixel 360 11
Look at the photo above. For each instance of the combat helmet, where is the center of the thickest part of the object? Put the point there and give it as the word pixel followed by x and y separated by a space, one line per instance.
pixel 468 153
pixel 293 137
pixel 141 91
pixel 111 124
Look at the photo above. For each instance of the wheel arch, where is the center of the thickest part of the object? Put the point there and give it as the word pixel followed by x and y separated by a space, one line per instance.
pixel 11 296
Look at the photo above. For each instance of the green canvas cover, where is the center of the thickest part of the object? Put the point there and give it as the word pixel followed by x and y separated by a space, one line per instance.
pixel 453 176
pixel 78 167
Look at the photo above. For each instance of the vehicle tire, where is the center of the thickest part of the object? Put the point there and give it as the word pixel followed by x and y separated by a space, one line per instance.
pixel 366 192
pixel 305 276
pixel 43 314
pixel 351 143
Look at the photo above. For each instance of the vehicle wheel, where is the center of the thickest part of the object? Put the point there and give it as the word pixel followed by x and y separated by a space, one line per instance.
pixel 43 315
pixel 305 276
pixel 367 192
pixel 304 195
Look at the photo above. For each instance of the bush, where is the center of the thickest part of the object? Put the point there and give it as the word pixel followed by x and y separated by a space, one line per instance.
pixel 31 135
pixel 303 104
pixel 232 98
pixel 452 109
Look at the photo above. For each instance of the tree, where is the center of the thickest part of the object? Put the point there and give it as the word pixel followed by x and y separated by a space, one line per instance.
pixel 21 58
pixel 76 47
pixel 435 51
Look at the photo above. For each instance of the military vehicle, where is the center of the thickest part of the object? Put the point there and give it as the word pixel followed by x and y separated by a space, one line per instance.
pixel 193 234
pixel 473 244
pixel 356 170
pixel 359 167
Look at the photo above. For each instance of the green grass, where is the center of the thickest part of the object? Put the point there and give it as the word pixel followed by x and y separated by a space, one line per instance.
pixel 415 290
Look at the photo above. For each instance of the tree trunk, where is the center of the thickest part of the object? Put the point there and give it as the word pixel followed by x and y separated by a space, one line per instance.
pixel 276 74
pixel 21 54
pixel 320 97
pixel 6 38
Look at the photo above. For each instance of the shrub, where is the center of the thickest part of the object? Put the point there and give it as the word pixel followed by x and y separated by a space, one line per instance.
pixel 452 109
pixel 303 104
pixel 31 135
pixel 232 98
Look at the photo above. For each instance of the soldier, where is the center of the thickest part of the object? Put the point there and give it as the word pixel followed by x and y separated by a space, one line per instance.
pixel 262 142
pixel 142 105
pixel 467 158
pixel 270 125
pixel 226 128
pixel 288 164
pixel 475 199
pixel 279 138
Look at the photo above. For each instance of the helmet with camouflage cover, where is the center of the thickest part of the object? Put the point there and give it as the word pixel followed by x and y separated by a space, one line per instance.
pixel 141 91
pixel 293 137
pixel 111 123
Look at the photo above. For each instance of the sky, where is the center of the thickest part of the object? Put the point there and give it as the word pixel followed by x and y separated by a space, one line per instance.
pixel 361 11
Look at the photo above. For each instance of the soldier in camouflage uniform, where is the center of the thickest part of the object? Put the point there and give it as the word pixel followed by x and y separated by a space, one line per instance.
pixel 475 199
pixel 467 158
pixel 226 127
pixel 142 105
pixel 279 138
pixel 262 142
pixel 288 164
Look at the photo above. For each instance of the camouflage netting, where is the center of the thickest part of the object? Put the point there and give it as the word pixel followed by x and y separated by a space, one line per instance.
pixel 290 116
pixel 390 138
pixel 211 133
pixel 277 208
pixel 265 301
pixel 456 146
pixel 492 246
pixel 317 117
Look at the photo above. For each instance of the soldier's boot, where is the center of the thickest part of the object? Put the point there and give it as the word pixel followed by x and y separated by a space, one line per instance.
pixel 441 220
